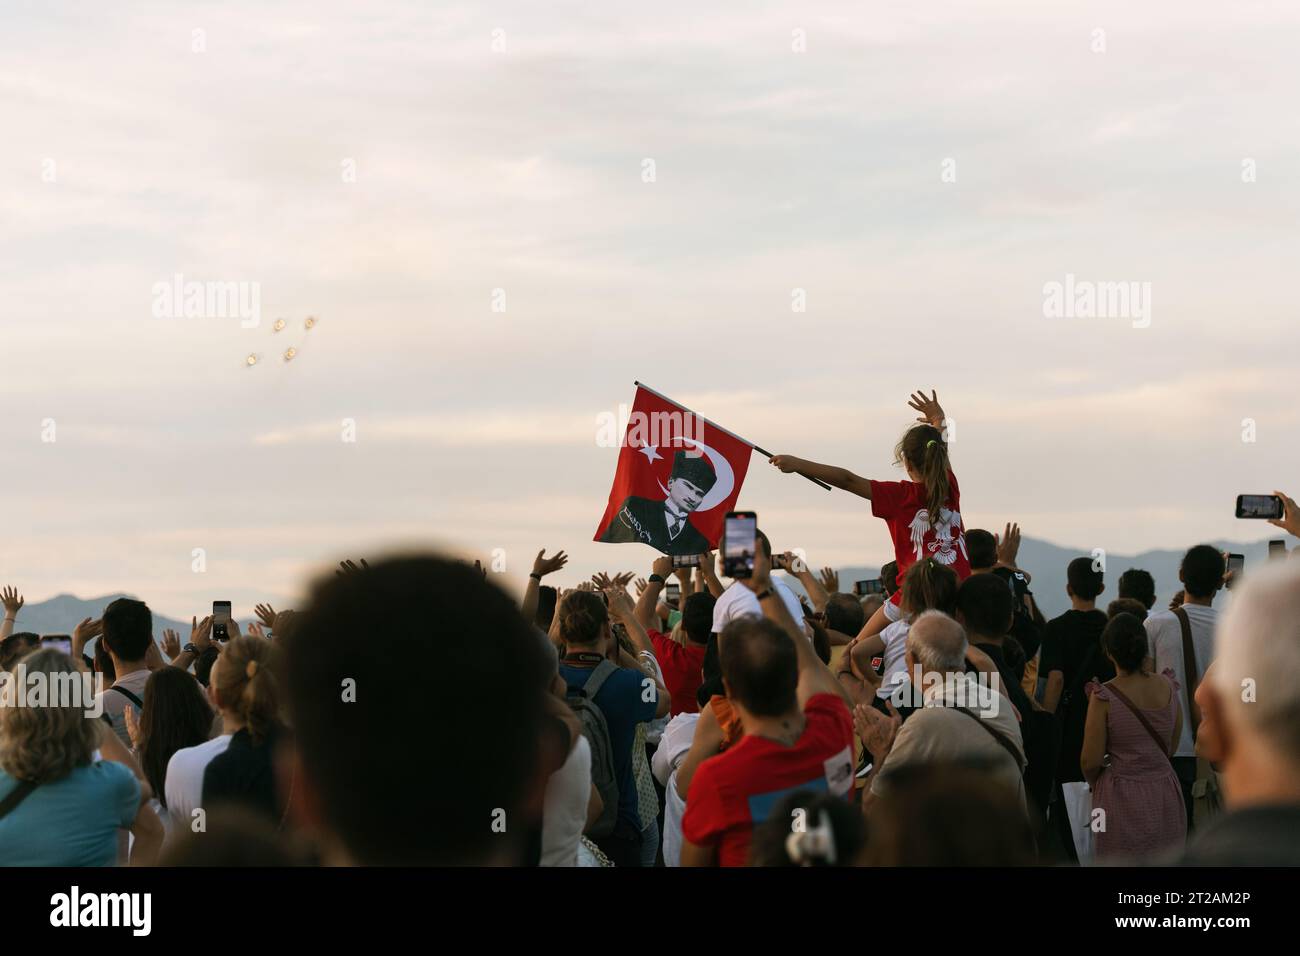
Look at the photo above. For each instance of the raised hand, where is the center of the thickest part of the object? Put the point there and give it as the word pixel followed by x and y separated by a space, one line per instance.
pixel 171 644
pixel 1008 544
pixel 641 585
pixel 266 614
pixel 930 409
pixel 663 566
pixel 13 601
pixel 787 463
pixel 620 603
pixel 542 565
pixel 255 629
pixel 133 724
pixel 1290 520
pixel 201 633
pixel 283 623
pixel 350 567
pixel 831 580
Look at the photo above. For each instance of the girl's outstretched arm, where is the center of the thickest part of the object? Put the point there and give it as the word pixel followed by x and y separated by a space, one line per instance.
pixel 833 476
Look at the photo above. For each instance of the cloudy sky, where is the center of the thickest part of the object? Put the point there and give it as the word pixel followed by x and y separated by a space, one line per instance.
pixel 386 166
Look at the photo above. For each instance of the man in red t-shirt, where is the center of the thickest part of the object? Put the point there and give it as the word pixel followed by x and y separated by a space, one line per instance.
pixel 682 664
pixel 798 733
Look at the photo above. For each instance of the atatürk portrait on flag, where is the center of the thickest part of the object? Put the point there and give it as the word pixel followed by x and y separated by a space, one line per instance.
pixel 663 523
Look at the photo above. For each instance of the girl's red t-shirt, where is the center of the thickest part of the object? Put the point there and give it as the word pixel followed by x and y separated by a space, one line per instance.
pixel 902 504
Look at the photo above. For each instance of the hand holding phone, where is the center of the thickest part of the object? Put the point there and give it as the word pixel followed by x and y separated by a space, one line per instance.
pixel 1267 507
pixel 221 620
pixel 739 543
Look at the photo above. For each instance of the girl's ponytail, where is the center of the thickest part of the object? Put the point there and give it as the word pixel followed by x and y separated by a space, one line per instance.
pixel 924 448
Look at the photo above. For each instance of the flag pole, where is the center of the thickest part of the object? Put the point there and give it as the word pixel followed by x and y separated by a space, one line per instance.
pixel 725 431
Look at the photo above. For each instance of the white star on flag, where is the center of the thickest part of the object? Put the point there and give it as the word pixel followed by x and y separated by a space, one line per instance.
pixel 651 453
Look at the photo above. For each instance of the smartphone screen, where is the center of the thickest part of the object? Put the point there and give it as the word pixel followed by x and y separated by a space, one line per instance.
pixel 62 641
pixel 672 594
pixel 739 541
pixel 221 620
pixel 686 560
pixel 1259 506
pixel 1277 548
pixel 871 586
pixel 1236 562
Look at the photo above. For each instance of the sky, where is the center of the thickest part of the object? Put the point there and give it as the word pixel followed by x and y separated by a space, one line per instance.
pixel 501 214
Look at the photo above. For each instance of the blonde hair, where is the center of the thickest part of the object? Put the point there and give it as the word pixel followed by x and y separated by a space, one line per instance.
pixel 44 744
pixel 246 684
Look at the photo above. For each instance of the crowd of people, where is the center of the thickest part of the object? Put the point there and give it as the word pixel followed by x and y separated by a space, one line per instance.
pixel 411 712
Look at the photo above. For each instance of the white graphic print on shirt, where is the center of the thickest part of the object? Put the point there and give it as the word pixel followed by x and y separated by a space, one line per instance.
pixel 947 536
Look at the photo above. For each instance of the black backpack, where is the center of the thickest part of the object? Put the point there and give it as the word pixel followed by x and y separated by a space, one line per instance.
pixel 582 701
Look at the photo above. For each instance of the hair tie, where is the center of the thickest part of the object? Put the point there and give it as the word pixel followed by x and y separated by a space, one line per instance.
pixel 809 847
pixel 929 443
pixel 251 669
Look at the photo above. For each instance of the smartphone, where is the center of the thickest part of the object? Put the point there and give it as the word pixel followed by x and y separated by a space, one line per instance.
pixel 62 641
pixel 221 620
pixel 1236 563
pixel 672 595
pixel 871 586
pixel 1259 506
pixel 1276 548
pixel 686 560
pixel 739 542
pixel 878 665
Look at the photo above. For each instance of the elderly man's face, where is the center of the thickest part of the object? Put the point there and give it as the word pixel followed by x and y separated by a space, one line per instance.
pixel 684 494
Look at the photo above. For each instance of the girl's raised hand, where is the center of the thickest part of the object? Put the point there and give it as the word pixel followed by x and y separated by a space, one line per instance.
pixel 930 409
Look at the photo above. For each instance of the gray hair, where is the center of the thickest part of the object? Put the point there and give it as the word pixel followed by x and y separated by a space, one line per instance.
pixel 937 642
pixel 1257 656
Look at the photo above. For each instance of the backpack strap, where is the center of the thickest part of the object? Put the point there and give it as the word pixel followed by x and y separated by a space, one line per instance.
pixel 1146 724
pixel 599 674
pixel 997 735
pixel 129 696
pixel 16 796
pixel 1189 668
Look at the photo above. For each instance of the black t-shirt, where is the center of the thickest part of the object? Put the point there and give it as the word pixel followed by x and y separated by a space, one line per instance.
pixel 1010 686
pixel 244 774
pixel 1023 627
pixel 1072 645
pixel 1068 643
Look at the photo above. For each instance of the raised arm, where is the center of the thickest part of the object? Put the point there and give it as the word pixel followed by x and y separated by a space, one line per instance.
pixel 814 676
pixel 542 566
pixel 708 570
pixel 649 599
pixel 13 602
pixel 817 593
pixel 836 477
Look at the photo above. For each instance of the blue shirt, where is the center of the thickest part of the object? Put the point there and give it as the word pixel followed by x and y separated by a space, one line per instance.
pixel 619 699
pixel 70 822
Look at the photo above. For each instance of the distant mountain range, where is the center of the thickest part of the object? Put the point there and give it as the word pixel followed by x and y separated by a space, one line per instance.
pixel 60 614
pixel 1044 561
pixel 1046 564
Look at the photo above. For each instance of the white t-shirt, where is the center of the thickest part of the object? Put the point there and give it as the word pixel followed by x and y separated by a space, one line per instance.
pixel 1165 645
pixel 895 638
pixel 738 600
pixel 673 746
pixel 115 704
pixel 674 810
pixel 184 782
pixel 564 809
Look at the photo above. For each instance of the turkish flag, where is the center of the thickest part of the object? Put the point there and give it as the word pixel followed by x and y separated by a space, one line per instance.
pixel 678 476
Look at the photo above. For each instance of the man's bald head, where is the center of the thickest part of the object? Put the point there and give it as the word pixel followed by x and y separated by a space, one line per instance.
pixel 759 666
pixel 937 643
pixel 1257 659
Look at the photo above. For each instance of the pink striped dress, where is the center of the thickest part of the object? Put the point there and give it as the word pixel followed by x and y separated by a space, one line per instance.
pixel 1139 792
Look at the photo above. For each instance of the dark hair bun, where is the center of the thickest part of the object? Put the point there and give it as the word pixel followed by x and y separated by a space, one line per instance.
pixel 1125 640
